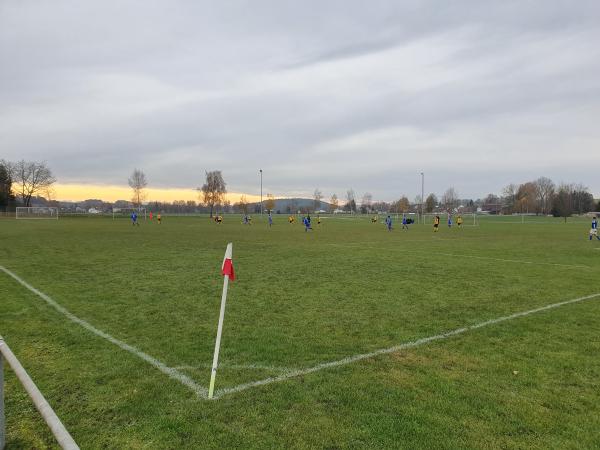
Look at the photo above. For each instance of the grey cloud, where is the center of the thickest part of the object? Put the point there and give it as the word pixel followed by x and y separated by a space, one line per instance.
pixel 316 94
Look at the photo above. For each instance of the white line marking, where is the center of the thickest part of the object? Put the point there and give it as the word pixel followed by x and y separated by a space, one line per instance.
pixel 239 367
pixel 351 359
pixel 171 372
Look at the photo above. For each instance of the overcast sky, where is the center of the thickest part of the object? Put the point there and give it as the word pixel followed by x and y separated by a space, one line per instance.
pixel 335 95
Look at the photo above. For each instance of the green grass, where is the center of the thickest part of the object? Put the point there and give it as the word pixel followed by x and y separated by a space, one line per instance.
pixel 301 299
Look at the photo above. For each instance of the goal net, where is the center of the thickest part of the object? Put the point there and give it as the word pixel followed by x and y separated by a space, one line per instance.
pixel 36 212
pixel 125 213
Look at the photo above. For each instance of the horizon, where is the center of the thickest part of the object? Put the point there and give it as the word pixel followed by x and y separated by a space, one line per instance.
pixel 111 194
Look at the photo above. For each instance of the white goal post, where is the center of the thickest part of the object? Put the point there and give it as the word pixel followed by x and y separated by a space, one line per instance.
pixel 125 213
pixel 36 212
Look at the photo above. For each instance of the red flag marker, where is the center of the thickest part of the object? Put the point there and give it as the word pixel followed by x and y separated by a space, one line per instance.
pixel 227 268
pixel 229 274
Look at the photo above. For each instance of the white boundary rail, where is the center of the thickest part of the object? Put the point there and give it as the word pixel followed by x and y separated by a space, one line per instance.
pixel 58 429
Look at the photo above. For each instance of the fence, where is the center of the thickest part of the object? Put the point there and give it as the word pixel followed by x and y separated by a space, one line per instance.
pixel 58 429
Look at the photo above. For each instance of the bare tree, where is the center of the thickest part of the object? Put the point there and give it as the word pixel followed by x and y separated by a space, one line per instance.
pixel 226 206
pixel 400 206
pixel 213 190
pixel 562 205
pixel 334 202
pixel 137 182
pixel 583 200
pixel 242 205
pixel 50 194
pixel 381 206
pixel 31 178
pixel 450 199
pixel 317 196
pixel 430 203
pixel 403 204
pixel 350 201
pixel 526 197
pixel 510 197
pixel 544 191
pixel 366 203
pixel 5 185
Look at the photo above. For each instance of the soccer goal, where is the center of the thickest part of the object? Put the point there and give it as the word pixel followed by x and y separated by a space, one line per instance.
pixel 36 212
pixel 125 213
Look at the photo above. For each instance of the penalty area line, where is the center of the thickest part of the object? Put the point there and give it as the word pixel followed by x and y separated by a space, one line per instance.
pixel 169 371
pixel 355 358
pixel 239 367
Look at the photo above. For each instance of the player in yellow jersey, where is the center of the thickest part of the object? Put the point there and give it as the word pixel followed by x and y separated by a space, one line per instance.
pixel 459 221
pixel 436 224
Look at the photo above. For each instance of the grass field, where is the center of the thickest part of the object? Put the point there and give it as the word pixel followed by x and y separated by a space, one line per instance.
pixel 300 300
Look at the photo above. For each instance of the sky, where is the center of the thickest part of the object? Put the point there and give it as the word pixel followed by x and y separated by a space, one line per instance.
pixel 318 94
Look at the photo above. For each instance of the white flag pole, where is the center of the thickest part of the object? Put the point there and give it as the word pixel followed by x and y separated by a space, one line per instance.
pixel 213 373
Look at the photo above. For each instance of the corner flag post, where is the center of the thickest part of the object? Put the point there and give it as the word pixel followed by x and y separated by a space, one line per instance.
pixel 227 271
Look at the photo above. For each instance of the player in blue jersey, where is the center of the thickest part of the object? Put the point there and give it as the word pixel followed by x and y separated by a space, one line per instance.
pixel 594 229
pixel 134 221
pixel 388 222
pixel 306 222
pixel 449 221
pixel 404 223
pixel 270 220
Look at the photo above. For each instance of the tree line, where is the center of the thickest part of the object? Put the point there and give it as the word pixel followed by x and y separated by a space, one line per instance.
pixel 541 197
pixel 22 181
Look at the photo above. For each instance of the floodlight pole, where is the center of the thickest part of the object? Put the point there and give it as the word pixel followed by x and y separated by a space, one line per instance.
pixel 261 203
pixel 422 196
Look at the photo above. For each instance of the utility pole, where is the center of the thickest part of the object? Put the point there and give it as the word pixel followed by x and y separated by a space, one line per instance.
pixel 422 197
pixel 261 203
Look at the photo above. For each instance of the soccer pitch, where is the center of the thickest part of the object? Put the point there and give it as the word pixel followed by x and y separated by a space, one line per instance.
pixel 347 336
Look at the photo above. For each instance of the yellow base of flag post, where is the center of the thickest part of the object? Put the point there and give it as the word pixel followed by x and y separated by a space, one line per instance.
pixel 228 273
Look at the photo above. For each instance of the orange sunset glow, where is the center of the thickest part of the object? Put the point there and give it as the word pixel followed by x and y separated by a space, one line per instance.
pixel 111 193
